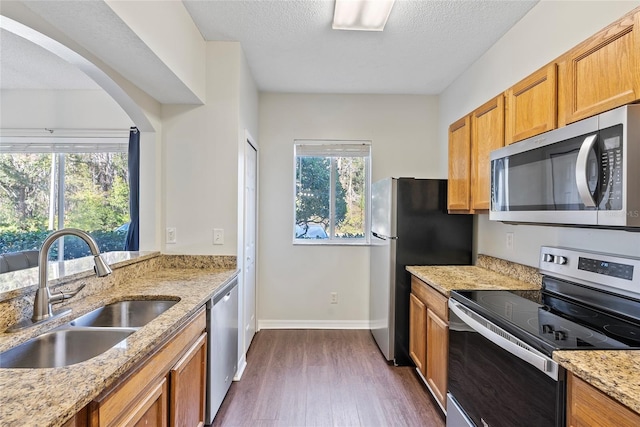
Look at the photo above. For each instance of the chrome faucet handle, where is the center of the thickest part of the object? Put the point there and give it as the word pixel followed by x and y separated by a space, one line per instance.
pixel 59 297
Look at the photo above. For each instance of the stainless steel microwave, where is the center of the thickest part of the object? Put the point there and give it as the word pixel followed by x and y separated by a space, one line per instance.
pixel 584 174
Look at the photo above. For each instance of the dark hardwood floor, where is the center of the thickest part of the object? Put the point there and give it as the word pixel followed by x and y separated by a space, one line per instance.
pixel 325 378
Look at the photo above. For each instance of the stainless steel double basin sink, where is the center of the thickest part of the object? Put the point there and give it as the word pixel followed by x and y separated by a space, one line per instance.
pixel 86 336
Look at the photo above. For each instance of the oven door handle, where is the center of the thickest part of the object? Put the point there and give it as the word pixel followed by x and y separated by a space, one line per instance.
pixel 497 336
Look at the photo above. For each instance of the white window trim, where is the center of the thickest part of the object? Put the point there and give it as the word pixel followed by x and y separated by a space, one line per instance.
pixel 325 146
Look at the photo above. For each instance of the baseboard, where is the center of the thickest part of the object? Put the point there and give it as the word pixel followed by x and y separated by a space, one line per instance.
pixel 313 324
pixel 242 365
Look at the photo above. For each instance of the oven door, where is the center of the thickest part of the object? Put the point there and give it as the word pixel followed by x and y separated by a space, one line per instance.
pixel 496 380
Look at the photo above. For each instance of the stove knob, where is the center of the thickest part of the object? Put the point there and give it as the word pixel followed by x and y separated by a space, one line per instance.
pixel 547 329
pixel 561 260
pixel 547 258
pixel 559 336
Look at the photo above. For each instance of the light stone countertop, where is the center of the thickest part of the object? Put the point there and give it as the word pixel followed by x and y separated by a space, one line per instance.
pixel 614 372
pixel 447 278
pixel 50 397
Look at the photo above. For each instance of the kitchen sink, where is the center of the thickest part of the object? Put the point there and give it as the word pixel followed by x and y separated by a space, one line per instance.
pixel 125 314
pixel 63 347
pixel 85 337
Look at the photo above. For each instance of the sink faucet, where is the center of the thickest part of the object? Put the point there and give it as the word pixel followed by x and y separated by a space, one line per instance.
pixel 43 300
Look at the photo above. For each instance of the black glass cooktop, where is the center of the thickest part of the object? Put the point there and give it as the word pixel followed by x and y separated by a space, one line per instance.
pixel 550 322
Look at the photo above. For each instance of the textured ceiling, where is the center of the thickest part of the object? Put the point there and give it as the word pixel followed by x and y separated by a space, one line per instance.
pixel 289 45
pixel 19 70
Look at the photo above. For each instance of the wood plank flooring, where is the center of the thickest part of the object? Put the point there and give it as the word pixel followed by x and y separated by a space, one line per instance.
pixel 298 378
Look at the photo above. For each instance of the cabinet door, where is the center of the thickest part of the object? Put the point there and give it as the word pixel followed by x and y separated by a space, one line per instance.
pixel 417 332
pixel 152 410
pixel 188 386
pixel 437 356
pixel 588 406
pixel 459 185
pixel 79 420
pixel 487 127
pixel 531 105
pixel 601 73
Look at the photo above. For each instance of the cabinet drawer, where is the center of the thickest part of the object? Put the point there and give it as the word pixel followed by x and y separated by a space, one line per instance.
pixel 434 300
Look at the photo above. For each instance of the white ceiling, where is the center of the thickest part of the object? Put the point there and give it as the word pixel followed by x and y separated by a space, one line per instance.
pixel 289 45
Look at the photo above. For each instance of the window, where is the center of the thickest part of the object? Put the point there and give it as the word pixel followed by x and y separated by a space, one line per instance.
pixel 332 180
pixel 79 182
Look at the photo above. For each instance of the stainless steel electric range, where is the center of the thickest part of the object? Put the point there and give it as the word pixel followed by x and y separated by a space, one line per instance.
pixel 501 371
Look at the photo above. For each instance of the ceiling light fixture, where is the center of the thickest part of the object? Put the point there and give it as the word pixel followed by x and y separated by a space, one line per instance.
pixel 362 15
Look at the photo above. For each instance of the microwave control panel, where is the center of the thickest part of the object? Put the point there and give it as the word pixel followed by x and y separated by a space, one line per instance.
pixel 611 168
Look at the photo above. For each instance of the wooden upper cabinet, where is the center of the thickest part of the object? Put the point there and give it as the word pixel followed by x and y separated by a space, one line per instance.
pixel 487 134
pixel 459 186
pixel 601 73
pixel 530 105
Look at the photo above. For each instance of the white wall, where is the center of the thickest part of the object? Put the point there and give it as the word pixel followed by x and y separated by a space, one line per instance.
pixel 548 30
pixel 69 109
pixel 295 280
pixel 200 159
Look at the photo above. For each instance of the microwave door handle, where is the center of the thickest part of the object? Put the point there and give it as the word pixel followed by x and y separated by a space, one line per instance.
pixel 581 171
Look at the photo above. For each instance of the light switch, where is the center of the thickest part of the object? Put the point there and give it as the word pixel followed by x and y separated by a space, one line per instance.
pixel 171 235
pixel 218 236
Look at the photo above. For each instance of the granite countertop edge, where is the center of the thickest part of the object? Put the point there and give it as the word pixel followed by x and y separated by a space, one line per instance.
pixel 35 394
pixel 448 278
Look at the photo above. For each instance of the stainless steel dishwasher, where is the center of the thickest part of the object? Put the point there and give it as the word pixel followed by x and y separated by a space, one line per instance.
pixel 222 361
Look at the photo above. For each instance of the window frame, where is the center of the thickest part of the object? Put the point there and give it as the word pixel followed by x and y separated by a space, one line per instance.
pixel 331 148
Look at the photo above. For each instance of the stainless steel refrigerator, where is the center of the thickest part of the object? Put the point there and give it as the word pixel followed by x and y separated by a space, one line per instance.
pixel 409 226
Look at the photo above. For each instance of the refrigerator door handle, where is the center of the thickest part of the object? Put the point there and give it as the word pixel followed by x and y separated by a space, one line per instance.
pixel 383 237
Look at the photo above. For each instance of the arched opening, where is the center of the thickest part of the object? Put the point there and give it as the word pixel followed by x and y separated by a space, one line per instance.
pixel 60 124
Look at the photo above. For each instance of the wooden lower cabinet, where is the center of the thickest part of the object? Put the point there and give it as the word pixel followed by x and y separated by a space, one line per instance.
pixel 188 380
pixel 437 356
pixel 589 407
pixel 79 419
pixel 429 337
pixel 151 409
pixel 166 389
pixel 418 333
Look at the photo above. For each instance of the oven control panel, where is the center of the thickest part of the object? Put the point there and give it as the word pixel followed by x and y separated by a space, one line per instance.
pixel 613 269
pixel 617 273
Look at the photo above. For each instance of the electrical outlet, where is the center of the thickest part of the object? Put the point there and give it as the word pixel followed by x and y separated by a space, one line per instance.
pixel 509 240
pixel 218 236
pixel 334 297
pixel 171 235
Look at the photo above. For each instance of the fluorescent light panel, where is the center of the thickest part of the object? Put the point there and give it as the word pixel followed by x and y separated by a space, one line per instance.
pixel 361 15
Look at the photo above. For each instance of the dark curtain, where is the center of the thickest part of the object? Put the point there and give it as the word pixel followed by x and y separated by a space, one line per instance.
pixel 133 235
